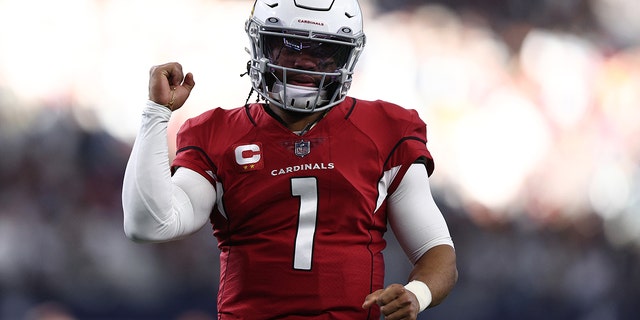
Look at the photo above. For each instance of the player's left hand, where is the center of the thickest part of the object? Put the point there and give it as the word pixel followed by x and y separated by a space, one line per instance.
pixel 395 302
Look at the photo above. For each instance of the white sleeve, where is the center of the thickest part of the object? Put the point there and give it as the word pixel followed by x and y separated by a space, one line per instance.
pixel 414 217
pixel 159 207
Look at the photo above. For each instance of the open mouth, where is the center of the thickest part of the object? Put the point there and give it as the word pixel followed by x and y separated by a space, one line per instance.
pixel 303 80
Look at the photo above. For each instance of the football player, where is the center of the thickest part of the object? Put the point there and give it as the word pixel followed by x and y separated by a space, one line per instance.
pixel 300 186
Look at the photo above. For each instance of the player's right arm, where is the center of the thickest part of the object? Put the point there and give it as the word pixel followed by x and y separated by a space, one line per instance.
pixel 158 206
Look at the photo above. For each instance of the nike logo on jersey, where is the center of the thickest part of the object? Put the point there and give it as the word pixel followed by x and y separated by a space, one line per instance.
pixel 249 156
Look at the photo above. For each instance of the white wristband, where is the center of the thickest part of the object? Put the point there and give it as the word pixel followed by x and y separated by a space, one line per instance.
pixel 421 291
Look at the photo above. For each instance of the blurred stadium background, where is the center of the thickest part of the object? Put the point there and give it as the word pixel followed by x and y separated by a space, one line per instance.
pixel 533 110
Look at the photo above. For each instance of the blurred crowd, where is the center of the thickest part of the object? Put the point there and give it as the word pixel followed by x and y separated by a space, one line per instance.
pixel 533 110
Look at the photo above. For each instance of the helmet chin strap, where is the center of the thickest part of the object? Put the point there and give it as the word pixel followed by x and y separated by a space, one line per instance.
pixel 298 97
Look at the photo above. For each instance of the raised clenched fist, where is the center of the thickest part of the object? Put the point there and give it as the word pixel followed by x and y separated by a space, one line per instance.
pixel 169 86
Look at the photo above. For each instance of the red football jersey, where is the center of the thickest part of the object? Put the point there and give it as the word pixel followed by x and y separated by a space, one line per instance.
pixel 300 219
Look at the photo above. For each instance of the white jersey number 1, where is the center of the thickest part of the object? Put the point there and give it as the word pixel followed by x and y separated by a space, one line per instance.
pixel 307 190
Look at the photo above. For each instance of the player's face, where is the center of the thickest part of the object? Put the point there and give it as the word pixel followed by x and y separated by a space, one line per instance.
pixel 306 55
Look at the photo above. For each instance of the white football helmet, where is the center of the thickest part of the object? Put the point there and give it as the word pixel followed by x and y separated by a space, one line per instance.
pixel 330 29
